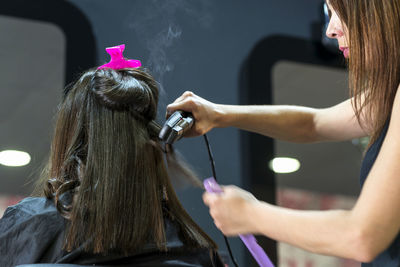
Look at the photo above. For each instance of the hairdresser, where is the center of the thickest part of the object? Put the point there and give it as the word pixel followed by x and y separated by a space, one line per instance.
pixel 368 34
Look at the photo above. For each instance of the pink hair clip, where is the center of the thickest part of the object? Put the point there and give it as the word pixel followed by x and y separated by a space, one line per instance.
pixel 117 59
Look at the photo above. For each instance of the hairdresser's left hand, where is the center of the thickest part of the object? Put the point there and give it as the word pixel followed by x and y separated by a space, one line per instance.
pixel 232 210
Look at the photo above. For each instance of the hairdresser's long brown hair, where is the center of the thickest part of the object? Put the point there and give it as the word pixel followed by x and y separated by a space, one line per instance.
pixel 106 171
pixel 374 62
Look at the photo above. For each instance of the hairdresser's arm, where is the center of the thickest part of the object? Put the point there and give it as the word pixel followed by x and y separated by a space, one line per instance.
pixel 361 233
pixel 289 123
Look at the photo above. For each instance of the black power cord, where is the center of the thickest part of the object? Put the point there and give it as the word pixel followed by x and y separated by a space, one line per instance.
pixel 215 177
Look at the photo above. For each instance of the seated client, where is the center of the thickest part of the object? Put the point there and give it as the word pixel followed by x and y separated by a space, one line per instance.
pixel 107 197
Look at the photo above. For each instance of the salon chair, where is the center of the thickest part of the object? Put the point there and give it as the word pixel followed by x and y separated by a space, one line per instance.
pixel 91 265
pixel 65 265
pixel 171 264
pixel 77 265
pixel 57 265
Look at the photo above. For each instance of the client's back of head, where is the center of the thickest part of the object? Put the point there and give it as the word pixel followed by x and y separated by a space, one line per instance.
pixel 106 171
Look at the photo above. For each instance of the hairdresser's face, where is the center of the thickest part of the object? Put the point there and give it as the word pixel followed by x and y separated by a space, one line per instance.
pixel 337 30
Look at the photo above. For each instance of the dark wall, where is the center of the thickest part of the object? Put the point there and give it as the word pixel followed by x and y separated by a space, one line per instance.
pixel 199 46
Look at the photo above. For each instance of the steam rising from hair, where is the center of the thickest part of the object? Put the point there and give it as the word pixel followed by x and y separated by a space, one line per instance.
pixel 158 29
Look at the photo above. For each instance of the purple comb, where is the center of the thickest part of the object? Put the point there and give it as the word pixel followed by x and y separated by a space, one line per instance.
pixel 249 240
pixel 117 59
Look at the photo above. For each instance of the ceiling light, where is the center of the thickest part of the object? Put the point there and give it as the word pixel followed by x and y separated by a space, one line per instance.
pixel 284 165
pixel 14 158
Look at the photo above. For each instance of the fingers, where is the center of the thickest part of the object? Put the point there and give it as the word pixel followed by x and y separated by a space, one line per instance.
pixel 220 216
pixel 184 96
pixel 202 110
pixel 184 102
pixel 187 104
pixel 227 209
pixel 209 198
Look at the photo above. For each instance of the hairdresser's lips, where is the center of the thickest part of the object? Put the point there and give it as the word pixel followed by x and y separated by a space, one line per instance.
pixel 345 51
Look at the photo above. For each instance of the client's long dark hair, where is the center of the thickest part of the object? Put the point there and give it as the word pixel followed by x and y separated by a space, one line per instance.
pixel 106 159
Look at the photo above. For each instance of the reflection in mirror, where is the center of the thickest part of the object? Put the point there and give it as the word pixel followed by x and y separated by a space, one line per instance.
pixel 328 173
pixel 32 78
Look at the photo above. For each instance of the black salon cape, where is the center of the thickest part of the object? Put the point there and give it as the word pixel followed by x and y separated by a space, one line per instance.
pixel 33 232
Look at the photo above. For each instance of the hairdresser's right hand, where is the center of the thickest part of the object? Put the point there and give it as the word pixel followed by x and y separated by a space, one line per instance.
pixel 205 113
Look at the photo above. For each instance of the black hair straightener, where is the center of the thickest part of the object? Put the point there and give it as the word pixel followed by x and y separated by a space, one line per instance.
pixel 175 126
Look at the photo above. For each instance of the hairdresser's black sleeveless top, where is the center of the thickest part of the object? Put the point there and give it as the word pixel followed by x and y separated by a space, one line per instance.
pixel 391 256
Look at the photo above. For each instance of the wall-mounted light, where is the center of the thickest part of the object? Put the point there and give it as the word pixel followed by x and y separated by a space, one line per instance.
pixel 284 165
pixel 14 158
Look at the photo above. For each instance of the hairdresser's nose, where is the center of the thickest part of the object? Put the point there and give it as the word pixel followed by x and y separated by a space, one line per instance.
pixel 335 29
